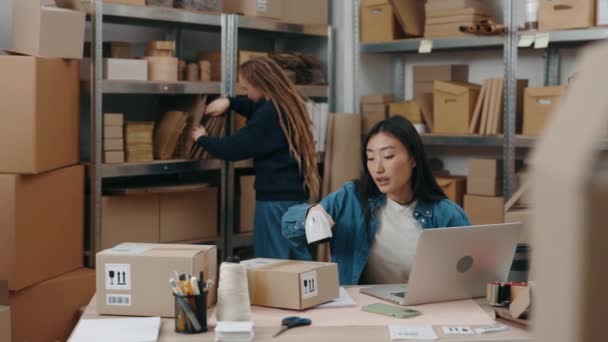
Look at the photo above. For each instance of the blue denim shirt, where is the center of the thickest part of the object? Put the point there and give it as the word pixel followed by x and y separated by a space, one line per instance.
pixel 352 238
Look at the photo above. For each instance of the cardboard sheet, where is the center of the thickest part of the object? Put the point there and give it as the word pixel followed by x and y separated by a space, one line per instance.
pixel 466 312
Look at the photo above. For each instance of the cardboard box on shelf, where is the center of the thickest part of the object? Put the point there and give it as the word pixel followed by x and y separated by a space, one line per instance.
pixel 484 186
pixel 247 204
pixel 114 157
pixel 113 132
pixel 288 284
pixel 5 323
pixel 408 109
pixel 453 187
pixel 484 209
pixel 523 215
pixel 410 15
pixel 215 60
pixel 566 14
pixel 113 119
pixel 272 9
pixel 162 68
pixel 369 120
pixel 146 269
pixel 130 219
pixel 50 32
pixel 485 168
pixel 113 144
pixel 454 104
pixel 374 108
pixel 119 69
pixel 379 22
pixel 40 116
pixel 53 304
pixel 305 12
pixel 377 99
pixel 539 104
pixel 41 225
pixel 167 45
pixel 189 216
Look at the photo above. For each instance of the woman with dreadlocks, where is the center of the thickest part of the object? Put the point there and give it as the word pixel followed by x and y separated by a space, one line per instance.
pixel 278 136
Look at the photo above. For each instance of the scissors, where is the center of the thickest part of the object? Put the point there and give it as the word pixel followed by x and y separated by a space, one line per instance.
pixel 292 322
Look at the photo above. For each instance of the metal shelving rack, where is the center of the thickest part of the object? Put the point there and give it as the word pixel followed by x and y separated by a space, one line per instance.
pixel 509 141
pixel 175 20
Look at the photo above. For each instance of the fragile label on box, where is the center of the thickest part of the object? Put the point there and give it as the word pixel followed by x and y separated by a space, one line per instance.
pixel 309 284
pixel 118 277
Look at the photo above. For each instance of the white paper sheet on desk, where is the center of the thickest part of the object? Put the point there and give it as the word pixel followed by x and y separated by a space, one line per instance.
pixel 465 312
pixel 117 330
pixel 345 301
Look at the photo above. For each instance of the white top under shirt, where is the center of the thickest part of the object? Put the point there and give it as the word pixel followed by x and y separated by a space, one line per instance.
pixel 392 254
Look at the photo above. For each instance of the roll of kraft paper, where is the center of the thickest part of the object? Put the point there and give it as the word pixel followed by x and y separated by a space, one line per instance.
pixel 163 69
pixel 233 303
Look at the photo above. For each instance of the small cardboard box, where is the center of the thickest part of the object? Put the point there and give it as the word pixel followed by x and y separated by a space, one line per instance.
pixel 379 22
pixel 305 12
pixel 50 32
pixel 485 168
pixel 377 99
pixel 247 204
pixel 288 284
pixel 453 187
pixel 374 108
pixel 369 120
pixel 408 109
pixel 601 13
pixel 53 304
pixel 523 215
pixel 272 9
pixel 146 269
pixel 484 186
pixel 130 219
pixel 41 225
pixel 539 104
pixel 484 209
pixel 566 14
pixel 454 104
pixel 113 144
pixel 120 69
pixel 40 117
pixel 189 216
pixel 5 324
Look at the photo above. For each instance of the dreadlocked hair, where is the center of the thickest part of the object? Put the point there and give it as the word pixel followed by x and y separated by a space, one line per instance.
pixel 267 76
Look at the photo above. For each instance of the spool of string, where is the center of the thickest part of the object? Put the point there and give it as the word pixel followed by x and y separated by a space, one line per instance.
pixel 233 302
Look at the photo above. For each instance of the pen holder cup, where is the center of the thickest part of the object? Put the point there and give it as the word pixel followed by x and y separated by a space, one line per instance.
pixel 191 314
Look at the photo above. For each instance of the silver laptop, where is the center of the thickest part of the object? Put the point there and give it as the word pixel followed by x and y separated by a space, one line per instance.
pixel 455 264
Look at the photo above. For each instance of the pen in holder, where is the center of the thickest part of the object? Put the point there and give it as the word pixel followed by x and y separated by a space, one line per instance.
pixel 191 313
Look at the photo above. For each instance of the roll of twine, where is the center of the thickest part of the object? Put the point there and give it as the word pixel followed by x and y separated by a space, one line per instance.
pixel 233 302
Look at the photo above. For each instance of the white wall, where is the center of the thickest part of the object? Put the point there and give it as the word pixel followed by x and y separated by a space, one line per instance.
pixel 5 23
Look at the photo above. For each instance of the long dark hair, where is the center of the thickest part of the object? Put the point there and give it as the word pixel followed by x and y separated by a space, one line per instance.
pixel 424 185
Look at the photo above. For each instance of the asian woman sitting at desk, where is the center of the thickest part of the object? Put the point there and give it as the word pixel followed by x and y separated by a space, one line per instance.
pixel 377 220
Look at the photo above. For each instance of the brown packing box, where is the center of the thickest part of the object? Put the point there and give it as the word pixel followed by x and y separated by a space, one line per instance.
pixel 272 9
pixel 215 59
pixel 113 144
pixel 484 209
pixel 305 12
pixel 41 225
pixel 288 284
pixel 566 14
pixel 453 104
pixel 379 22
pixel 52 304
pixel 453 187
pixel 374 108
pixel 114 157
pixel 130 219
pixel 369 120
pixel 377 99
pixel 484 186
pixel 485 168
pixel 146 269
pixel 408 109
pixel 40 118
pixel 5 323
pixel 113 119
pixel 523 215
pixel 47 31
pixel 447 5
pixel 410 14
pixel 113 132
pixel 189 216
pixel 539 104
pixel 247 204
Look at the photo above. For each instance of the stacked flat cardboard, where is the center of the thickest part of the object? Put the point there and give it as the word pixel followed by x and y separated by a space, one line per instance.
pixel 343 154
pixel 168 134
pixel 445 17
pixel 374 109
pixel 566 14
pixel 483 202
pixel 454 104
pixel 247 204
pixel 539 104
pixel 425 75
pixel 139 141
pixel 53 304
pixel 488 115
pixel 113 139
pixel 145 270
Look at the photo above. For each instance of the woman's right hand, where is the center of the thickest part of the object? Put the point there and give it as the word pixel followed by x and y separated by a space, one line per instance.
pixel 218 107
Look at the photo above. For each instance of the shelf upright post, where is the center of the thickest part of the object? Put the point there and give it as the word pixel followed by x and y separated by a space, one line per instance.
pixel 510 107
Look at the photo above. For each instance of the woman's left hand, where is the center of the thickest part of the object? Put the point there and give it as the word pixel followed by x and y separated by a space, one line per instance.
pixel 198 132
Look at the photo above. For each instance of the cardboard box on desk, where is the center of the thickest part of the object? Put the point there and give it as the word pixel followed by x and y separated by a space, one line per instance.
pixel 454 104
pixel 288 284
pixel 146 269
pixel 272 9
pixel 41 225
pixel 453 187
pixel 51 305
pixel 539 104
pixel 566 14
pixel 39 118
pixel 5 324
pixel 47 31
pixel 484 209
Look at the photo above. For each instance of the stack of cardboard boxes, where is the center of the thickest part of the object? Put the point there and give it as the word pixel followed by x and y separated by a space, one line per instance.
pixel 374 108
pixel 454 187
pixel 483 202
pixel 539 104
pixel 445 17
pixel 113 139
pixel 139 144
pixel 41 183
pixel 409 110
pixel 386 20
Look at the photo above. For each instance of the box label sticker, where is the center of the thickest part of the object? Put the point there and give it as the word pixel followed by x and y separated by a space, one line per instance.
pixel 262 6
pixel 118 300
pixel 118 276
pixel 131 248
pixel 309 285
pixel 457 330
